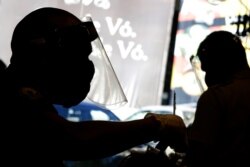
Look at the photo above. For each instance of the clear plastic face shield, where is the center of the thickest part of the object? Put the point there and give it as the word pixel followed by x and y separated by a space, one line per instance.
pixel 199 74
pixel 105 89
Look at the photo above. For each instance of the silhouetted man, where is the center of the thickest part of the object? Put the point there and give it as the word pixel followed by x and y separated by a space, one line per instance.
pixel 50 65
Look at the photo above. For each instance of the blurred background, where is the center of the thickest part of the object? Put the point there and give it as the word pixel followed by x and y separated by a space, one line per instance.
pixel 149 43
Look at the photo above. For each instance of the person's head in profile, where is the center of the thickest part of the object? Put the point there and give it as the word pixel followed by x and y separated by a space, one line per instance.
pixel 222 55
pixel 50 53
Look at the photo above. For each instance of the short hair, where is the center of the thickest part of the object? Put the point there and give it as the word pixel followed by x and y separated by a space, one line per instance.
pixel 222 49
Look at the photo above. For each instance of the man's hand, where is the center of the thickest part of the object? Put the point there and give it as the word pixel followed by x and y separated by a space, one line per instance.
pixel 172 132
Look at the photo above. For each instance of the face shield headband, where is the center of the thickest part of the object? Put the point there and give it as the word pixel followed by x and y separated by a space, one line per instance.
pixel 199 74
pixel 105 87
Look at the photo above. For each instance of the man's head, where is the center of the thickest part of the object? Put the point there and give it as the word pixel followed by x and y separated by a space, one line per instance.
pixel 222 55
pixel 50 50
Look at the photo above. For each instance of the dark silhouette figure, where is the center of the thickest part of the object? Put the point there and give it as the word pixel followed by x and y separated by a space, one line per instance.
pixel 219 135
pixel 50 49
pixel 2 66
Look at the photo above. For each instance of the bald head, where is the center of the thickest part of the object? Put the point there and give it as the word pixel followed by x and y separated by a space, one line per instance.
pixel 40 23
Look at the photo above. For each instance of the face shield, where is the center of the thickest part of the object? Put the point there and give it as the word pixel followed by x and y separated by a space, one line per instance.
pixel 199 74
pixel 105 87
